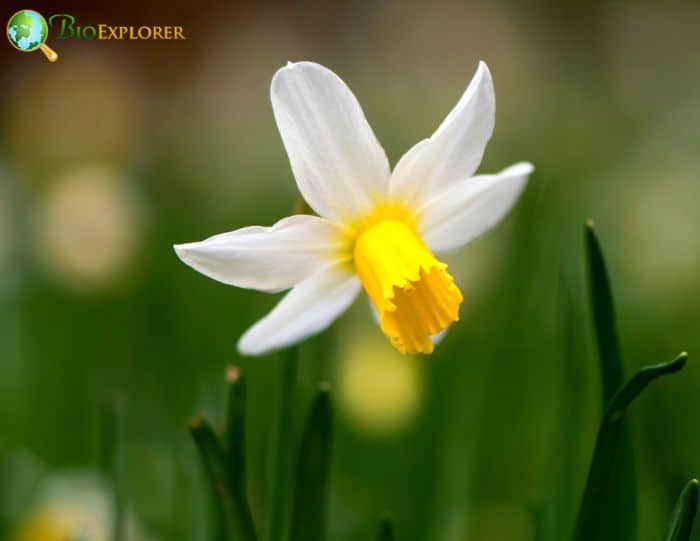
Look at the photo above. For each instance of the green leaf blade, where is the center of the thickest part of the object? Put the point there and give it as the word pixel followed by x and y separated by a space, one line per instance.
pixel 231 504
pixel 310 509
pixel 626 395
pixel 683 517
pixel 612 374
pixel 609 507
pixel 597 506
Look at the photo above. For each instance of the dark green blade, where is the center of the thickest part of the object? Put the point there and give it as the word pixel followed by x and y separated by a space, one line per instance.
pixel 608 457
pixel 281 455
pixel 603 317
pixel 310 509
pixel 386 529
pixel 110 451
pixel 636 385
pixel 613 514
pixel 684 514
pixel 234 431
pixel 232 505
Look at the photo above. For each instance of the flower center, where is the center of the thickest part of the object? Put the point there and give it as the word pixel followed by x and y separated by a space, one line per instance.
pixel 411 290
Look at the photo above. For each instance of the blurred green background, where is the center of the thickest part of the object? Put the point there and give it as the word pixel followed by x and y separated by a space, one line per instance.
pixel 121 149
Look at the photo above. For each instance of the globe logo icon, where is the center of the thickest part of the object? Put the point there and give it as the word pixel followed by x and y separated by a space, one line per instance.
pixel 27 31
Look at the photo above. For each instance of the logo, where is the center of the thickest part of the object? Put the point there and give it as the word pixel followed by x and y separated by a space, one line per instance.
pixel 68 29
pixel 27 31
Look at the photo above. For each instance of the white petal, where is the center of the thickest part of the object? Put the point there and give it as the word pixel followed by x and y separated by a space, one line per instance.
pixel 307 309
pixel 266 258
pixel 339 165
pixel 471 207
pixel 439 337
pixel 454 151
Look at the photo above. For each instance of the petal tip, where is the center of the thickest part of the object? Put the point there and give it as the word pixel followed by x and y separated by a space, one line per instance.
pixel 483 71
pixel 296 66
pixel 521 169
pixel 247 347
pixel 289 66
pixel 526 168
pixel 181 251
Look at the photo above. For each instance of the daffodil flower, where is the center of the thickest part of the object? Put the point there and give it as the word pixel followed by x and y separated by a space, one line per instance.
pixel 376 229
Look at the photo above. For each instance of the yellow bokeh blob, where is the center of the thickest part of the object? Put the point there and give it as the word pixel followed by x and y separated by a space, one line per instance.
pixel 380 390
pixel 61 522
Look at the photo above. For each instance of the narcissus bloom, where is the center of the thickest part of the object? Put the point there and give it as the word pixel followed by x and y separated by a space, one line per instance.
pixel 376 229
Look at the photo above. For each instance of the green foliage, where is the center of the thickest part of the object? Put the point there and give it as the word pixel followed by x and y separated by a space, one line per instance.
pixel 386 529
pixel 225 468
pixel 110 459
pixel 225 465
pixel 609 509
pixel 280 456
pixel 611 367
pixel 608 506
pixel 310 511
pixel 602 498
pixel 234 431
pixel 684 514
pixel 557 514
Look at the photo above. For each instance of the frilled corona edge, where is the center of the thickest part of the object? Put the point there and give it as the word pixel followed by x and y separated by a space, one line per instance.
pixel 414 295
